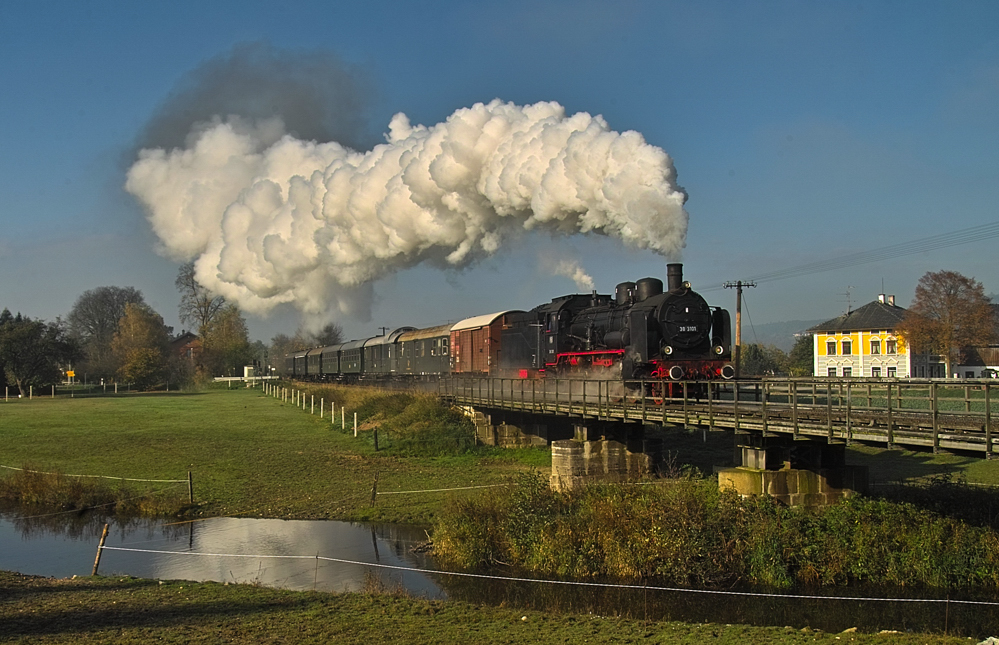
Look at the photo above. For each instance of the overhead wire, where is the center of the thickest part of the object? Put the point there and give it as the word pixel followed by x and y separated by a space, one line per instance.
pixel 933 242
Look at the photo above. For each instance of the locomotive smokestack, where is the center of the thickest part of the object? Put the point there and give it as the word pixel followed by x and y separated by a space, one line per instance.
pixel 674 276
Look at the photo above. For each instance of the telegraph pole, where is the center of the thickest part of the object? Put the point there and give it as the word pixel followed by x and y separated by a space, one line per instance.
pixel 738 286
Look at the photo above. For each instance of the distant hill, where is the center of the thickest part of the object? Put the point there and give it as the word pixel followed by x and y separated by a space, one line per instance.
pixel 779 334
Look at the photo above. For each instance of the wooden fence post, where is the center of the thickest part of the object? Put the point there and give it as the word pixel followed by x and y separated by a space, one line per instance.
pixel 100 547
pixel 190 486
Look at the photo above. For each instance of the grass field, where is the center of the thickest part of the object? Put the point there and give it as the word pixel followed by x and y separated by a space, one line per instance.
pixel 130 610
pixel 250 455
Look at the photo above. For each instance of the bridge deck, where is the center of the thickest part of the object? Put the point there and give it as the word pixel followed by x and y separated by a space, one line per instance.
pixel 938 414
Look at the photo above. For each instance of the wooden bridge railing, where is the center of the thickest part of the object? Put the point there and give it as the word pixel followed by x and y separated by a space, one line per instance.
pixel 949 414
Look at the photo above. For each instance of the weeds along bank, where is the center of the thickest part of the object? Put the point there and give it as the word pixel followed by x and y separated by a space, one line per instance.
pixel 687 532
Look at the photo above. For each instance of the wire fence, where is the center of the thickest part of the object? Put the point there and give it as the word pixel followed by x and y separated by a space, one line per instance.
pixel 123 479
pixel 574 583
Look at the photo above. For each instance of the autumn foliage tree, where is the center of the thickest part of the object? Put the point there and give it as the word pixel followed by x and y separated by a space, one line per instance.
pixel 226 343
pixel 949 313
pixel 141 346
pixel 94 321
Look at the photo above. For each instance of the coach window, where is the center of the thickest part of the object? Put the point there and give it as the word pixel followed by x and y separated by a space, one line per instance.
pixel 831 372
pixel 831 349
pixel 444 347
pixel 875 346
pixel 891 346
pixel 847 347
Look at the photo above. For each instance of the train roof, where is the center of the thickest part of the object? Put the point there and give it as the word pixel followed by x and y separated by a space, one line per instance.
pixel 482 321
pixel 298 354
pixel 428 332
pixel 314 351
pixel 387 338
pixel 354 344
pixel 330 349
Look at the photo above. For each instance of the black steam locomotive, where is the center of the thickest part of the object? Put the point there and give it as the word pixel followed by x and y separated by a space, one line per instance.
pixel 643 332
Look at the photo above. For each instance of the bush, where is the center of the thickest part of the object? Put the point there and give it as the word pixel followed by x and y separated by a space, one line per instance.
pixel 688 532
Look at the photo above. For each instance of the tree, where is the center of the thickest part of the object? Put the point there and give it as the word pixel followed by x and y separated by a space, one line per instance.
pixel 282 344
pixel 94 321
pixel 801 360
pixel 198 305
pixel 330 334
pixel 141 346
pixel 31 351
pixel 763 360
pixel 949 314
pixel 226 342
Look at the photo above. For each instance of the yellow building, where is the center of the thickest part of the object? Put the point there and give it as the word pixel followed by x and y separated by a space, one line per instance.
pixel 862 343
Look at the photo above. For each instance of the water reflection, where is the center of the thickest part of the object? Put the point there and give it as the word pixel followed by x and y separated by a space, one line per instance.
pixel 64 547
pixel 240 550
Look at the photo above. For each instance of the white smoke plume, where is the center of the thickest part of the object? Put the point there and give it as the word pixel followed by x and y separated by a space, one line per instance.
pixel 273 219
pixel 574 271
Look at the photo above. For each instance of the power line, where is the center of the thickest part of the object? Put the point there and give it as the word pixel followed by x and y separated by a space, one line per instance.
pixel 939 241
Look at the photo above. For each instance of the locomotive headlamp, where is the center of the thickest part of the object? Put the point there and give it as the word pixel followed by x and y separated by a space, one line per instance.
pixel 667 350
pixel 676 372
pixel 718 349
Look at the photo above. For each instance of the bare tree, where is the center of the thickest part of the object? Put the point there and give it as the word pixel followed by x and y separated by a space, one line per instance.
pixel 949 313
pixel 94 320
pixel 330 334
pixel 198 305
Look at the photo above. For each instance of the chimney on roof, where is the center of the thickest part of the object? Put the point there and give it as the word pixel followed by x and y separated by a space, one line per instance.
pixel 881 298
pixel 891 300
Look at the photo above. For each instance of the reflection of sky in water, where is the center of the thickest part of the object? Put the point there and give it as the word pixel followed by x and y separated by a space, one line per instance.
pixel 70 550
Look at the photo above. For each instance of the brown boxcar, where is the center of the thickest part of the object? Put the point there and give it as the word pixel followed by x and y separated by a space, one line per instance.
pixel 475 343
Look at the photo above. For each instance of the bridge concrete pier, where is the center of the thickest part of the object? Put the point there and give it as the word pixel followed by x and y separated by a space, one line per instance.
pixel 796 472
pixel 514 430
pixel 604 452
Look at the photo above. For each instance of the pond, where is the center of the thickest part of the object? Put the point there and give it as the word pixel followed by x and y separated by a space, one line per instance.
pixel 256 551
pixel 283 553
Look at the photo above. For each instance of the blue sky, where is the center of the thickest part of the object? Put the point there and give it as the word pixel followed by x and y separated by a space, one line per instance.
pixel 800 131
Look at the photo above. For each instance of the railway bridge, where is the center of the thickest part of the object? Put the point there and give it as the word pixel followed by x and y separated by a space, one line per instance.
pixel 791 433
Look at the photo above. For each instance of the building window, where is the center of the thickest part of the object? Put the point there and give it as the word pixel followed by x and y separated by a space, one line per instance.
pixel 831 348
pixel 847 371
pixel 875 346
pixel 847 347
pixel 832 371
pixel 891 372
pixel 876 372
pixel 891 346
pixel 969 375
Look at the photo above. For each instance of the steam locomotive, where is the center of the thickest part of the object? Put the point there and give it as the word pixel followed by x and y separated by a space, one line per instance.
pixel 642 332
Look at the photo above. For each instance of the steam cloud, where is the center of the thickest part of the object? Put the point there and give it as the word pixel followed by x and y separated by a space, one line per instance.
pixel 574 271
pixel 274 219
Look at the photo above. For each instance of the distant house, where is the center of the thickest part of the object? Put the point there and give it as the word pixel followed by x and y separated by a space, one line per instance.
pixel 187 346
pixel 979 362
pixel 862 342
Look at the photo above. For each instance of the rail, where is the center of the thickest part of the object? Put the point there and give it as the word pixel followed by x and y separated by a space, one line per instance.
pixel 936 414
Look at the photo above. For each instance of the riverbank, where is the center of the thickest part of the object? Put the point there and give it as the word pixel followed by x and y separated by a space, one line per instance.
pixel 130 610
pixel 252 455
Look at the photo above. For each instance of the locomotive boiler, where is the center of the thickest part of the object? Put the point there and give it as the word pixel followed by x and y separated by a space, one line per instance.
pixel 642 332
